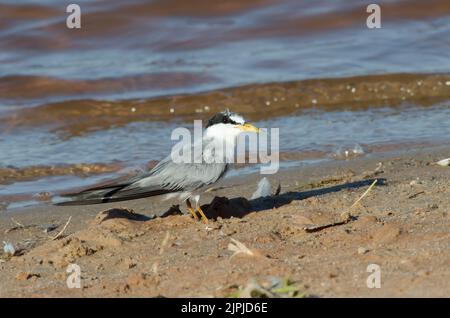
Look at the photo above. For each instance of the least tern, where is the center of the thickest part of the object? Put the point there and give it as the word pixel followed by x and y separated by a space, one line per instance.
pixel 182 180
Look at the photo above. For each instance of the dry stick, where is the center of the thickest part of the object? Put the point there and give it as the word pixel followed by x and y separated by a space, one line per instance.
pixel 161 251
pixel 365 193
pixel 164 242
pixel 317 228
pixel 412 196
pixel 17 223
pixel 347 219
pixel 19 226
pixel 63 229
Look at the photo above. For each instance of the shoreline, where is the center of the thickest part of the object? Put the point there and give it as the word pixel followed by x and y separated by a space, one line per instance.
pixel 76 177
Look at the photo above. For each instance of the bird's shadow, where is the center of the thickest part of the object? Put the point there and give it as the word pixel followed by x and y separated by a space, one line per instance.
pixel 239 207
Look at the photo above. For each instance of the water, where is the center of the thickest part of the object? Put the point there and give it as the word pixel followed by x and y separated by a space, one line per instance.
pixel 102 95
pixel 139 49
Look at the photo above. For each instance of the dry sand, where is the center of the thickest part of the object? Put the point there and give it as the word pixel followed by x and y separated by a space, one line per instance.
pixel 402 225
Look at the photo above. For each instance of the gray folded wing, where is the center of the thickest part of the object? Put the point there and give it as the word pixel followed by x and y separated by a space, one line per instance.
pixel 165 177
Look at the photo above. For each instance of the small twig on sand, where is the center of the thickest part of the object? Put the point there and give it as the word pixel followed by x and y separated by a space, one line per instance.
pixel 161 251
pixel 412 196
pixel 365 193
pixel 317 228
pixel 20 225
pixel 63 229
pixel 164 242
pixel 346 216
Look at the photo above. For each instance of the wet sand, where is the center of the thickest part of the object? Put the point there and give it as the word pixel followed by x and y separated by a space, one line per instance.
pixel 402 225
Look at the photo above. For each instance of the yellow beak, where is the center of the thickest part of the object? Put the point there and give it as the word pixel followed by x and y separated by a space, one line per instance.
pixel 249 127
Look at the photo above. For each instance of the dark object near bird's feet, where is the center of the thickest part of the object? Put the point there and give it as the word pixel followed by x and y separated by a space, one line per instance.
pixel 123 213
pixel 227 208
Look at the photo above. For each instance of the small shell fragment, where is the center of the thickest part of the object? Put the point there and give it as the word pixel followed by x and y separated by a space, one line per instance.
pixel 8 248
pixel 264 189
pixel 444 162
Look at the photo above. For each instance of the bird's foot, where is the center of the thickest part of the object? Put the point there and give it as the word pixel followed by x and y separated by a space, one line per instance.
pixel 204 218
pixel 193 213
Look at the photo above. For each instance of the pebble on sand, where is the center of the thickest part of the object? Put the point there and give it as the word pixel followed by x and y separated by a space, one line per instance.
pixel 8 248
pixel 362 250
pixel 444 162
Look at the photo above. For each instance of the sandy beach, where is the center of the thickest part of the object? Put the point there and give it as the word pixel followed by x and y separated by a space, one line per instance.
pixel 309 233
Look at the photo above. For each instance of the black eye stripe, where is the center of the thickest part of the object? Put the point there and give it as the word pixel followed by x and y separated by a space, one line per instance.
pixel 228 121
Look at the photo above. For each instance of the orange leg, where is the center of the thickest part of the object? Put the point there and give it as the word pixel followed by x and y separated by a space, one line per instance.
pixel 204 218
pixel 189 206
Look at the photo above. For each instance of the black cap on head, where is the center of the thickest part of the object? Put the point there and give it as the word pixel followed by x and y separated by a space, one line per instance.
pixel 225 117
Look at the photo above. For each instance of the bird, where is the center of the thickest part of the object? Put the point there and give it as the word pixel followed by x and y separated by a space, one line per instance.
pixel 174 179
